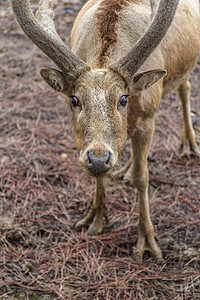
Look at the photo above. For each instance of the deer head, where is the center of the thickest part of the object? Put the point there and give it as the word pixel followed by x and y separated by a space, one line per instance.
pixel 98 97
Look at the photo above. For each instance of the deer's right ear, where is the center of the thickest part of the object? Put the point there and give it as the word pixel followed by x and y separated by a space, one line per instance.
pixel 54 78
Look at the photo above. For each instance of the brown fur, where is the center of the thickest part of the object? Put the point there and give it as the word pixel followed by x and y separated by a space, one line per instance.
pixel 107 17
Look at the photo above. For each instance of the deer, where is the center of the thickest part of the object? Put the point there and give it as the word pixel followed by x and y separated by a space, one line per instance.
pixel 125 55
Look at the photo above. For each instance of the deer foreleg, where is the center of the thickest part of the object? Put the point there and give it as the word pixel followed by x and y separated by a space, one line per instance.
pixel 94 218
pixel 140 177
pixel 189 138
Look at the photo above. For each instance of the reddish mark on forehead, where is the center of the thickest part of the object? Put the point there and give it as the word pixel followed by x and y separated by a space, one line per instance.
pixel 107 17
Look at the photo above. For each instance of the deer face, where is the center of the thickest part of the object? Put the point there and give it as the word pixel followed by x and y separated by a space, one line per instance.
pixel 99 109
pixel 99 101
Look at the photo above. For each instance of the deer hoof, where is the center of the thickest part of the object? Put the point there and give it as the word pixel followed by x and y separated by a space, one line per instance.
pixel 137 255
pixel 146 242
pixel 80 224
pixel 94 219
pixel 189 149
pixel 94 229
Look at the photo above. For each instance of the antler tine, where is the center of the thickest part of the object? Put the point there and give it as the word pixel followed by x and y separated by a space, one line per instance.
pixel 43 33
pixel 130 64
pixel 45 16
pixel 154 6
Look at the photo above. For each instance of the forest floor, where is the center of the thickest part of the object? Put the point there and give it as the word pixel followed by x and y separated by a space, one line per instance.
pixel 43 192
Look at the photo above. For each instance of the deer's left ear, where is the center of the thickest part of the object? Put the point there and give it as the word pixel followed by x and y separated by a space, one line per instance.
pixel 54 78
pixel 143 81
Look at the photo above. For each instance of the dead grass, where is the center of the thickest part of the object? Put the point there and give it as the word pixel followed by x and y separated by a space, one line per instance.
pixel 43 191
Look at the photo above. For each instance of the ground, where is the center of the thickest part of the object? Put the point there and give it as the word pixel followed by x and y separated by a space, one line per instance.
pixel 43 192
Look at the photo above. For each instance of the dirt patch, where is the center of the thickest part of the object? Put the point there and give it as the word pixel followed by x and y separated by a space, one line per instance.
pixel 43 192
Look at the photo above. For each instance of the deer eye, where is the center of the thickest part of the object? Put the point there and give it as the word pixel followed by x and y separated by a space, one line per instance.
pixel 74 101
pixel 123 100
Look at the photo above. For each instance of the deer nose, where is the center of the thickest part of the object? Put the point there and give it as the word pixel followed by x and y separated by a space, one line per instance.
pixel 98 165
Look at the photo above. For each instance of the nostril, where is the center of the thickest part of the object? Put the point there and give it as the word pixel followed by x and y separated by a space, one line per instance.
pixel 107 158
pixel 90 156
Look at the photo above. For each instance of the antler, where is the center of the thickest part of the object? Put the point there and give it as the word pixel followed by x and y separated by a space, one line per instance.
pixel 129 65
pixel 43 33
pixel 154 5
